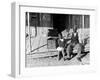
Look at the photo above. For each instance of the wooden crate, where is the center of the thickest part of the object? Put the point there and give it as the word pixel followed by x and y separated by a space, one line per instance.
pixel 51 43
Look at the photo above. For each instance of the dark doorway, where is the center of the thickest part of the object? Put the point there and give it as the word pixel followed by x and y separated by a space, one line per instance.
pixel 60 22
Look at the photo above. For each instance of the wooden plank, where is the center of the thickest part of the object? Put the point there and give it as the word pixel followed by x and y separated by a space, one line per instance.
pixel 42 54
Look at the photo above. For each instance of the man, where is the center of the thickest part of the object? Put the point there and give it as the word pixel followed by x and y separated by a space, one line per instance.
pixel 74 46
pixel 67 39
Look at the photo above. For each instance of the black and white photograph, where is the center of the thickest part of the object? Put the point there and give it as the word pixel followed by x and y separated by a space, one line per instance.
pixel 51 40
pixel 55 39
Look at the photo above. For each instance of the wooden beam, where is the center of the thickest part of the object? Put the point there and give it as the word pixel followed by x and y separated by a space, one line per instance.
pixel 83 21
pixel 29 33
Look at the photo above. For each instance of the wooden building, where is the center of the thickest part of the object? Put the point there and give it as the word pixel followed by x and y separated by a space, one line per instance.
pixel 42 30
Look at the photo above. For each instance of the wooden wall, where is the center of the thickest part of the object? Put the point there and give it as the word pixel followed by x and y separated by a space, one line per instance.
pixel 82 21
pixel 41 22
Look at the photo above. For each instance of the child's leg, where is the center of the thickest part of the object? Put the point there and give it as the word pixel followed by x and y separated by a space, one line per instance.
pixel 59 55
pixel 63 53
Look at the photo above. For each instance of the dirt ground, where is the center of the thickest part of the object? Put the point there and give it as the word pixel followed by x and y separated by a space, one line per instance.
pixel 53 61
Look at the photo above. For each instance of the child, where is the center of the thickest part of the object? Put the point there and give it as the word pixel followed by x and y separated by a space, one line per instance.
pixel 61 46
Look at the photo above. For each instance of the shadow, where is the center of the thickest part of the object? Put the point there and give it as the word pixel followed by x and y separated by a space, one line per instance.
pixel 10 75
pixel 84 54
pixel 72 56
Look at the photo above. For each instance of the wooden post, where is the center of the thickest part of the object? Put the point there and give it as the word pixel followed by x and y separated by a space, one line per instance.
pixel 83 25
pixel 83 21
pixel 73 20
pixel 40 18
pixel 69 22
pixel 29 33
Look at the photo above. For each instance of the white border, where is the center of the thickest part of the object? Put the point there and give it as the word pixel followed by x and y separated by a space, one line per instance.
pixel 20 69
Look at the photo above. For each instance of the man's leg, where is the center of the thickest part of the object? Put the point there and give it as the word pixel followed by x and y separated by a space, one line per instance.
pixel 69 50
pixel 79 50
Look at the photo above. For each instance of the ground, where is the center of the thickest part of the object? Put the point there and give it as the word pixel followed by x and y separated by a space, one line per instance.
pixel 53 61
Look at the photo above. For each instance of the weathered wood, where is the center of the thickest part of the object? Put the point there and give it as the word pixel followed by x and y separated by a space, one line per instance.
pixel 29 34
pixel 42 54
